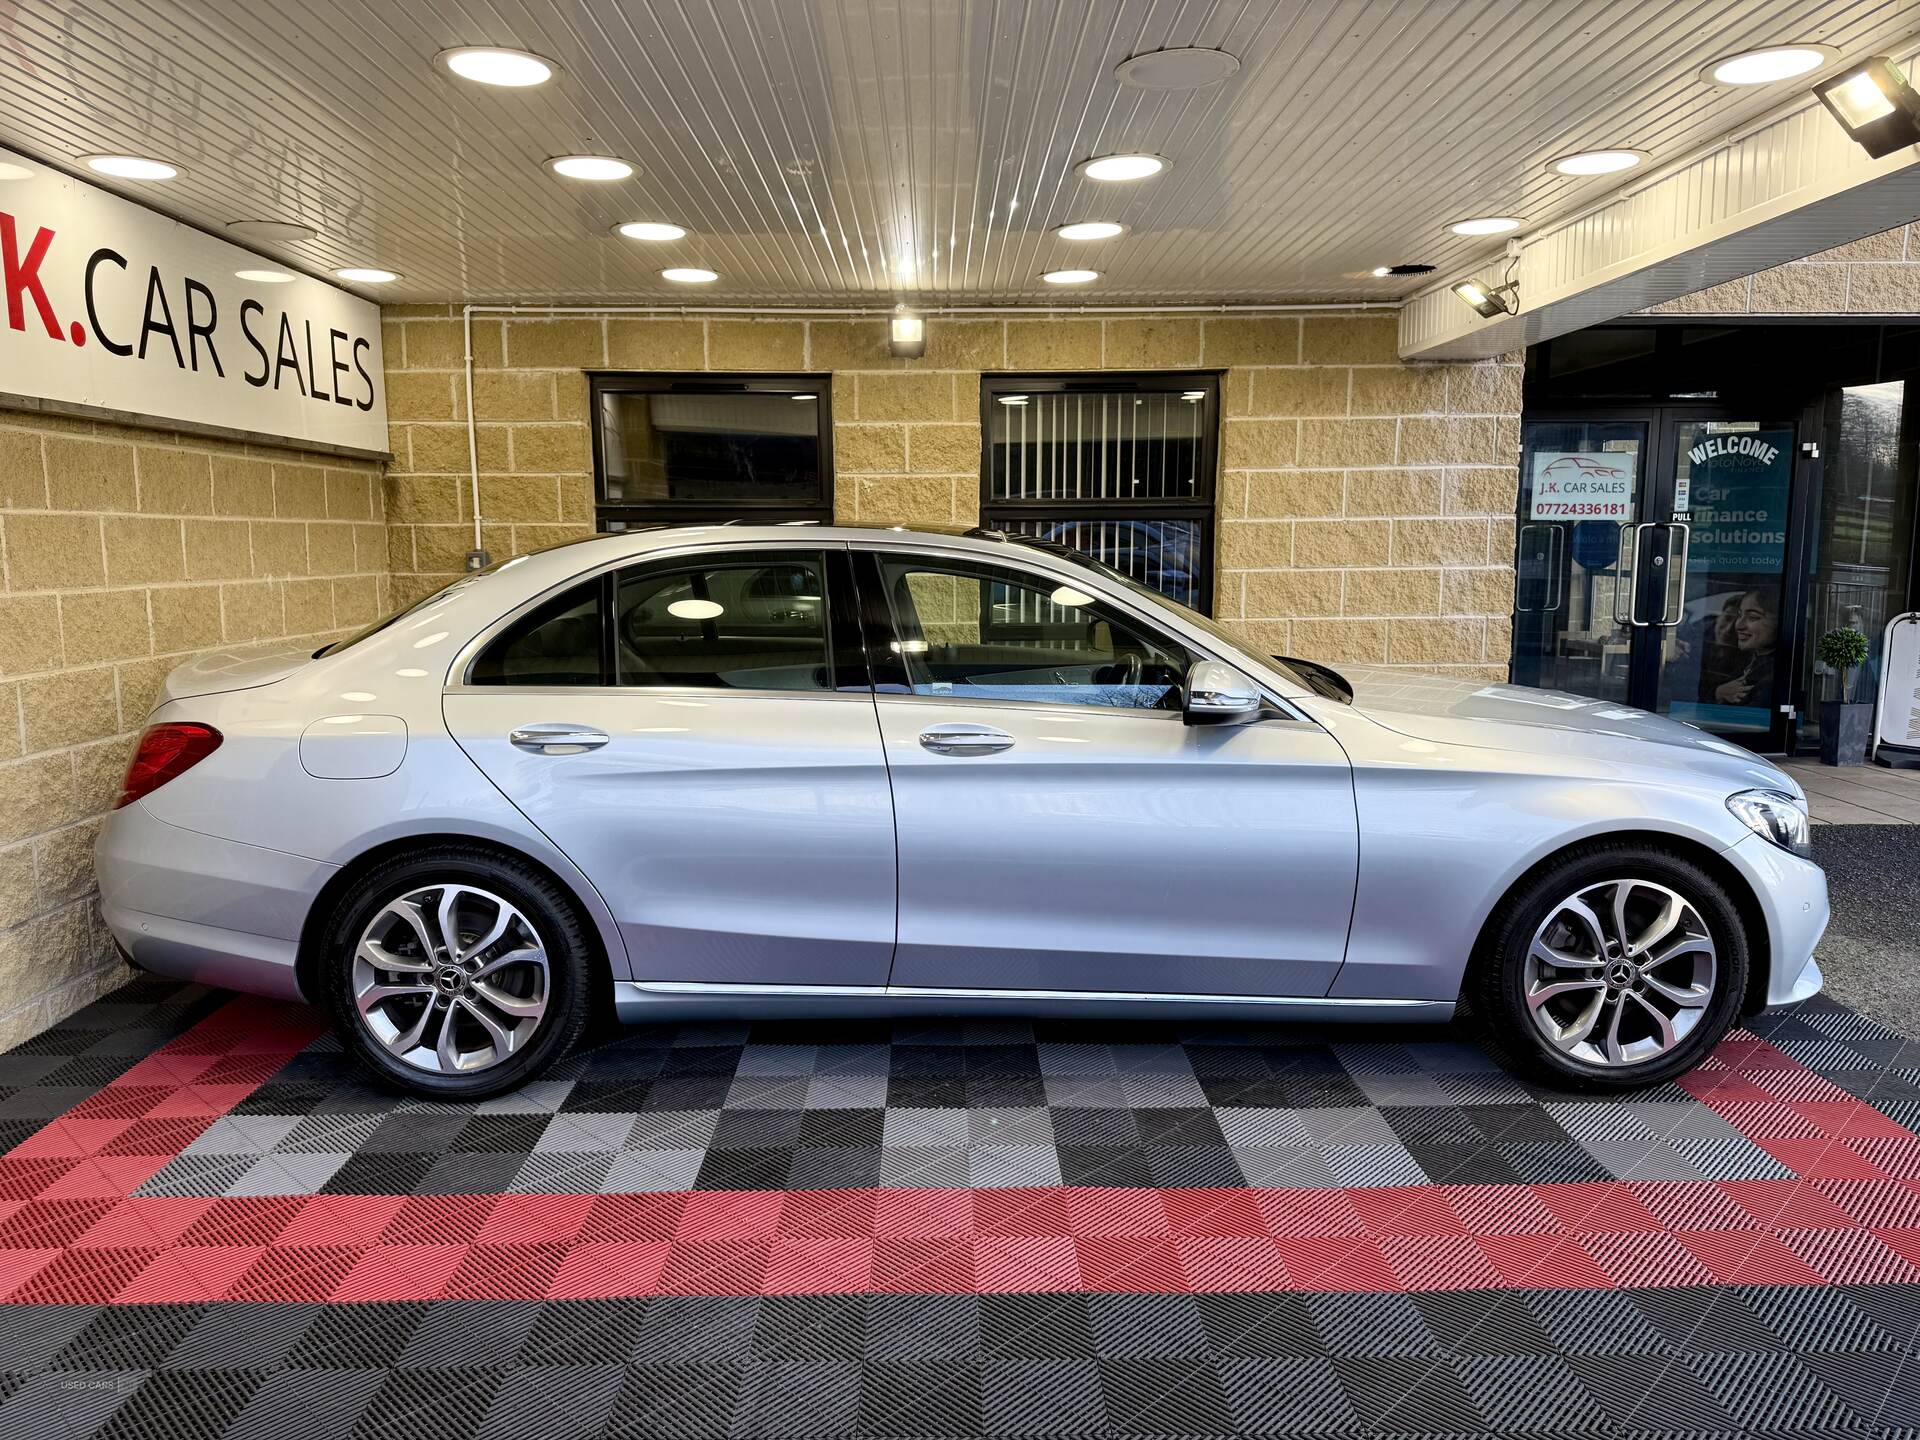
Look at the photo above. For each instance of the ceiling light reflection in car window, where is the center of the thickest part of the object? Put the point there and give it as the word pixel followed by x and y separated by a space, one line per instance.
pixel 696 610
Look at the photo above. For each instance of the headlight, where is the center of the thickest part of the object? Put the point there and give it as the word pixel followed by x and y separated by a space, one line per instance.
pixel 1776 815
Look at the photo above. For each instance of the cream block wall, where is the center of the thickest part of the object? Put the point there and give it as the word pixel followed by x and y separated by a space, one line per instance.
pixel 123 553
pixel 1365 506
pixel 1879 275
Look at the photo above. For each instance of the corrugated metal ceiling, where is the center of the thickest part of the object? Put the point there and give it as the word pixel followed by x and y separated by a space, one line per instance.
pixel 848 151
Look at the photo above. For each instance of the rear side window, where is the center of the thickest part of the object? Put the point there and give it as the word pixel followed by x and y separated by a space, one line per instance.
pixel 557 643
pixel 758 623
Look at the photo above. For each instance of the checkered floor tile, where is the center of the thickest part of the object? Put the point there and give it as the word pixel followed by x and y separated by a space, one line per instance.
pixel 211 1225
pixel 961 1104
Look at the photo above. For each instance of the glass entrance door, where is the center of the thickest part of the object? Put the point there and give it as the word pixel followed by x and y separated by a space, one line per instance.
pixel 1725 491
pixel 1580 497
pixel 1653 565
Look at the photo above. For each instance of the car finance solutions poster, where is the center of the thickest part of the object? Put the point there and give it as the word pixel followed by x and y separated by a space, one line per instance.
pixel 1732 485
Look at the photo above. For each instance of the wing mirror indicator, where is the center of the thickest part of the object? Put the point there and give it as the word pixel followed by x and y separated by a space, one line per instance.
pixel 1218 694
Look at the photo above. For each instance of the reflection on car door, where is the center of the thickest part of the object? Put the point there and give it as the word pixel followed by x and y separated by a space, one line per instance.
pixel 698 735
pixel 1061 828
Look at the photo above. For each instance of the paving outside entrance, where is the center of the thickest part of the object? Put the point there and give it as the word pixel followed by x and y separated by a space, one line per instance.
pixel 1859 794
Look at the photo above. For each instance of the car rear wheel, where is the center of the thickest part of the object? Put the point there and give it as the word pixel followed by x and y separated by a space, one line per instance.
pixel 456 973
pixel 1615 967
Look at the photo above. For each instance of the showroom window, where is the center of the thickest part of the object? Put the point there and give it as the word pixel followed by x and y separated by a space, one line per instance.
pixel 686 449
pixel 1118 466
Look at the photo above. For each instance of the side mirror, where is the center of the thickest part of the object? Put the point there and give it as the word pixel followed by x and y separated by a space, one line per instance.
pixel 1218 694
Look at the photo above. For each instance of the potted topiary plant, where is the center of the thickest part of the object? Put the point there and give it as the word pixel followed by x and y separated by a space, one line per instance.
pixel 1845 726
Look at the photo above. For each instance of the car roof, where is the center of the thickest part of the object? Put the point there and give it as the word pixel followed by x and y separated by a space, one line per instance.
pixel 594 548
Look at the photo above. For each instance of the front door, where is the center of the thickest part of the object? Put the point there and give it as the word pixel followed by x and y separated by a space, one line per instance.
pixel 699 737
pixel 1653 565
pixel 1060 826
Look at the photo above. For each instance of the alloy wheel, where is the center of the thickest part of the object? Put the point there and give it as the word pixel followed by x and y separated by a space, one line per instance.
pixel 451 979
pixel 1620 973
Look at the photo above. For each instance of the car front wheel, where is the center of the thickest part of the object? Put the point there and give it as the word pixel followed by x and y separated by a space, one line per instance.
pixel 457 973
pixel 1615 967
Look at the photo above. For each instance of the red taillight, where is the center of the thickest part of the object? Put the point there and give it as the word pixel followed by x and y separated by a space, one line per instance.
pixel 165 752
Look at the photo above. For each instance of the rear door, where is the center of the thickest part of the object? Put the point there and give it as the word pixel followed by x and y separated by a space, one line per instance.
pixel 1061 828
pixel 698 735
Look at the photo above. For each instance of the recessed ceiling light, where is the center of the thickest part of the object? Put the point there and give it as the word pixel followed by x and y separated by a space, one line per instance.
pixel 1597 162
pixel 1193 395
pixel 650 230
pixel 1121 167
pixel 264 277
pixel 1486 225
pixel 1013 399
pixel 365 275
pixel 14 172
pixel 808 396
pixel 490 65
pixel 1765 67
pixel 600 168
pixel 1090 230
pixel 1070 277
pixel 270 232
pixel 1183 68
pixel 689 275
pixel 130 167
pixel 1380 272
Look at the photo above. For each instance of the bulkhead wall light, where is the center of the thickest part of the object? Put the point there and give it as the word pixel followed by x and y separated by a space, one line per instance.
pixel 906 334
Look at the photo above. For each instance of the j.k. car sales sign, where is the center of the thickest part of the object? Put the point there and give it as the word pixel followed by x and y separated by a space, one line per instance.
pixel 112 305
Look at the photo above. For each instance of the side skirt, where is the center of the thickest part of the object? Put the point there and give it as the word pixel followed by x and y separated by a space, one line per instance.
pixel 639 1002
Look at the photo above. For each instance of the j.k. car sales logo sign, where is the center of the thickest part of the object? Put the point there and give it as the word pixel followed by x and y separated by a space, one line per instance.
pixel 112 305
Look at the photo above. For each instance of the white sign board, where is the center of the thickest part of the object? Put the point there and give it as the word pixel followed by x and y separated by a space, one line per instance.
pixel 112 305
pixel 1897 721
pixel 1596 485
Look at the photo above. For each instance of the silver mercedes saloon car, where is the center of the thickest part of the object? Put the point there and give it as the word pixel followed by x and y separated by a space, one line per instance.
pixel 817 771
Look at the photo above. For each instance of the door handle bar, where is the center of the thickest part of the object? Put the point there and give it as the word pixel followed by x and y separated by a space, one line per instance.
pixel 1627 564
pixel 965 740
pixel 1686 548
pixel 1633 593
pixel 557 738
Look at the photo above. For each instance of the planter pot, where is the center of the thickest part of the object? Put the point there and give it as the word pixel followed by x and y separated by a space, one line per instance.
pixel 1844 732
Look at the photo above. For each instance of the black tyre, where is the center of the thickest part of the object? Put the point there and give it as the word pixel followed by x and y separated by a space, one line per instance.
pixel 1614 967
pixel 457 973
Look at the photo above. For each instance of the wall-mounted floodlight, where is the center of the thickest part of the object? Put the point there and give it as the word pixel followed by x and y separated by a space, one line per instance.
pixel 1875 104
pixel 1501 300
pixel 906 334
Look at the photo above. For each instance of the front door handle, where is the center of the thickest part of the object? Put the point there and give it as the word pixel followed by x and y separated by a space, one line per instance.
pixel 557 738
pixel 962 739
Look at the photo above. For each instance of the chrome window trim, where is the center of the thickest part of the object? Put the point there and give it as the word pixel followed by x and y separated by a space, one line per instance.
pixel 1017 558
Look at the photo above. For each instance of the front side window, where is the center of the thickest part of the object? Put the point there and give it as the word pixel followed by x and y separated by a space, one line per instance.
pixel 1117 467
pixel 687 449
pixel 757 623
pixel 981 633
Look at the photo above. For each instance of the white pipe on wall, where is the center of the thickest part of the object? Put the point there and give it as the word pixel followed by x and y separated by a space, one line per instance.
pixel 467 312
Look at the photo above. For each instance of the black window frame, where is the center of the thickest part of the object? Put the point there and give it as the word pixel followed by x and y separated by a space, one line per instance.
pixel 602 383
pixel 1199 509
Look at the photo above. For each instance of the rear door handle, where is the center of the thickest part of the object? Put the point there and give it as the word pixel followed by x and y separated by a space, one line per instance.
pixel 962 739
pixel 557 738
